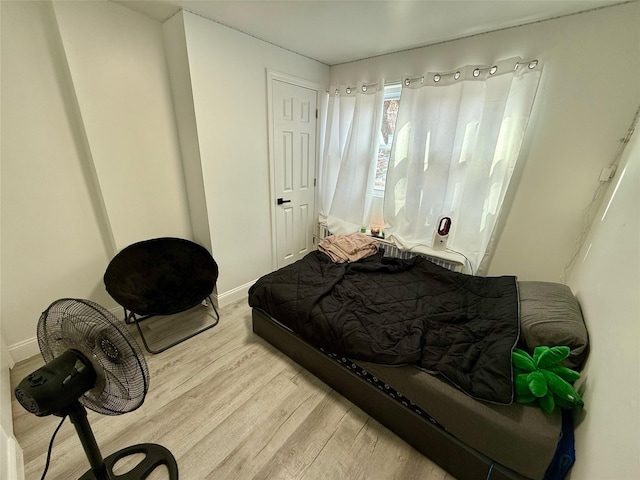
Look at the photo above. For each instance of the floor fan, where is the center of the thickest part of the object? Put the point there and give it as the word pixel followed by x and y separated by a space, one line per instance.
pixel 94 363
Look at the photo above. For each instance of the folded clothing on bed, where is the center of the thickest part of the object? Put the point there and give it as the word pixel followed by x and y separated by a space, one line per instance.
pixel 348 248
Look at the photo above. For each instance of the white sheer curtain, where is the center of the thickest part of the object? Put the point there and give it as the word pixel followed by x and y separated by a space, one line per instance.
pixel 456 144
pixel 351 144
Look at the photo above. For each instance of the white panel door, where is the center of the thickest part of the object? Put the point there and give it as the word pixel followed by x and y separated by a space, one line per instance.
pixel 294 165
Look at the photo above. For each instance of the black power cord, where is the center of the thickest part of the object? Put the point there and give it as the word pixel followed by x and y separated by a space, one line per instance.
pixel 46 466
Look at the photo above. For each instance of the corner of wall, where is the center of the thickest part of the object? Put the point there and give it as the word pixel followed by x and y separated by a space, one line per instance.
pixel 25 349
pixel 177 57
pixel 233 295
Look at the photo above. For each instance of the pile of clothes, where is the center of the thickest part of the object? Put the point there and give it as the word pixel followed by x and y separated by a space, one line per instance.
pixel 348 248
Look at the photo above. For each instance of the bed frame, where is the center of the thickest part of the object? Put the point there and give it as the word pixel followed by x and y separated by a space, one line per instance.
pixel 428 438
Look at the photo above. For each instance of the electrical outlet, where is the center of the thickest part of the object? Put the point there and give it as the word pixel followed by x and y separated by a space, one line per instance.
pixel 607 173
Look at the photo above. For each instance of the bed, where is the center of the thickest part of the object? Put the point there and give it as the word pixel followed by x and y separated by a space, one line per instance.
pixel 455 405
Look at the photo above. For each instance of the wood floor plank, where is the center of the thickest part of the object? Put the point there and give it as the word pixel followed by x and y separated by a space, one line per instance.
pixel 255 451
pixel 340 456
pixel 218 442
pixel 230 406
pixel 308 440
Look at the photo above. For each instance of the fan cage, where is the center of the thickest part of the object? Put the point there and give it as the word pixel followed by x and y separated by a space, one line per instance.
pixel 121 369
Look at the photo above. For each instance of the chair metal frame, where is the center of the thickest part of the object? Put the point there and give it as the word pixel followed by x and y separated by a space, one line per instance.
pixel 131 317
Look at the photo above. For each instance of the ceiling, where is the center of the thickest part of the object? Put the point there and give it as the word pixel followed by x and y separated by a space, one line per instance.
pixel 334 32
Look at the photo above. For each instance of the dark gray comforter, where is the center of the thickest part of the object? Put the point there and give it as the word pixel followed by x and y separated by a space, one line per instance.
pixel 396 312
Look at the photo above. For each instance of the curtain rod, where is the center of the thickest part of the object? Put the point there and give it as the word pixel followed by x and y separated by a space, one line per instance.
pixel 531 64
pixel 364 87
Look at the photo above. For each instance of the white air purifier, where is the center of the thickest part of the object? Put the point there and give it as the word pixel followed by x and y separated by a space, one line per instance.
pixel 442 233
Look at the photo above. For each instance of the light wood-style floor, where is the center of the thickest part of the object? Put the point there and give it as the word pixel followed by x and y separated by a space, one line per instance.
pixel 230 406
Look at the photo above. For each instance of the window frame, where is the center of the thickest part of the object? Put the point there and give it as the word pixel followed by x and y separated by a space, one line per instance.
pixel 392 91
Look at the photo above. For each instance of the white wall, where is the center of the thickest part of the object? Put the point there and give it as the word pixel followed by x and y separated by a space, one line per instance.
pixel 606 280
pixel 119 74
pixel 90 157
pixel 229 91
pixel 587 96
pixel 52 244
pixel 175 45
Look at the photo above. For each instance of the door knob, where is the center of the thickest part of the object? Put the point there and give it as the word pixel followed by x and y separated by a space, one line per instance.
pixel 281 201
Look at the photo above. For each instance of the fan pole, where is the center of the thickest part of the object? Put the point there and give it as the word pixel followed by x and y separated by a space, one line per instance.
pixel 78 416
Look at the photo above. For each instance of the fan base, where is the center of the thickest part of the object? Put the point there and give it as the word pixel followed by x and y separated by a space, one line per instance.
pixel 155 455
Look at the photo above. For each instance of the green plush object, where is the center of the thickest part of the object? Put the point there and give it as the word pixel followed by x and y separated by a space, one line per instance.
pixel 543 380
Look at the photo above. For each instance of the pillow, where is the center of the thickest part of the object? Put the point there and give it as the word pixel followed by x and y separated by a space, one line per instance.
pixel 550 316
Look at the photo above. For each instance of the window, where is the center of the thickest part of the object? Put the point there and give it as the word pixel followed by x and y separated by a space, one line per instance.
pixel 387 130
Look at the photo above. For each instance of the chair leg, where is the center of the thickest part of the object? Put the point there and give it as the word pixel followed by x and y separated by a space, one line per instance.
pixel 136 320
pixel 129 317
pixel 144 340
pixel 213 305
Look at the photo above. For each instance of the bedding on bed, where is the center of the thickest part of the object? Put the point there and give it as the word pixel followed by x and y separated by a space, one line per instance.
pixel 396 312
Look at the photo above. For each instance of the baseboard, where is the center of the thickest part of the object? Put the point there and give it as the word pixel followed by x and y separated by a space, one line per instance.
pixel 233 295
pixel 25 349
pixel 13 464
pixel 117 312
pixel 28 348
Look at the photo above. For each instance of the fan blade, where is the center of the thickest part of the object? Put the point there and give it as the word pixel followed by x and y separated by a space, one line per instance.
pixel 122 375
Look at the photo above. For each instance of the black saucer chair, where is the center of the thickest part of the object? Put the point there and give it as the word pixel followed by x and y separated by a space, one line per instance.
pixel 162 276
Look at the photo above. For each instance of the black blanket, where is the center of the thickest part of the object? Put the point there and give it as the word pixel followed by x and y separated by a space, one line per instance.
pixel 398 312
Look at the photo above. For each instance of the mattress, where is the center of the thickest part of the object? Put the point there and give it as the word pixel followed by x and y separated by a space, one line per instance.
pixel 397 311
